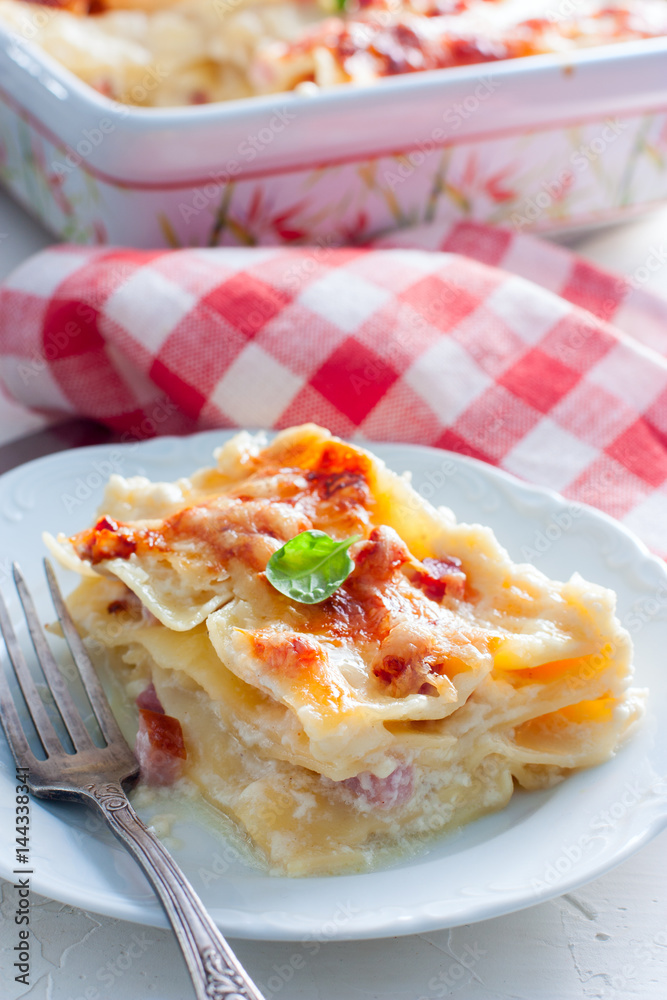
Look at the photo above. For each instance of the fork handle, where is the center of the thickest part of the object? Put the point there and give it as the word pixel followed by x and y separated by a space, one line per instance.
pixel 216 972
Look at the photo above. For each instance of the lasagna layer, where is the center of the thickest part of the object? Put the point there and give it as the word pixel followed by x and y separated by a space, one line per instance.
pixel 410 701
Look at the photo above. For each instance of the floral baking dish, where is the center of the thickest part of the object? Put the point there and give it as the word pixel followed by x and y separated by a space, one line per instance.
pixel 542 143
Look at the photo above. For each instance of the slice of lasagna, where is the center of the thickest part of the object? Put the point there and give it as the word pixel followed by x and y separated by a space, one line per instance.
pixel 411 700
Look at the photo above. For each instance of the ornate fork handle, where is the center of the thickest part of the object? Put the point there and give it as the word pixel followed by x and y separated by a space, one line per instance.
pixel 216 973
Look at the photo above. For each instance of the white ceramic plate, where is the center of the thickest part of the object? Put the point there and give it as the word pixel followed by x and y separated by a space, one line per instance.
pixel 543 844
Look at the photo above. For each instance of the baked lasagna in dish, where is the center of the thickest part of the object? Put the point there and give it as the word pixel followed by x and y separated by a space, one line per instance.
pixel 338 715
pixel 179 52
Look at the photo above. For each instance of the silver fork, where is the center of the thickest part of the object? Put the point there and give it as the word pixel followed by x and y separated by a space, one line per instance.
pixel 96 776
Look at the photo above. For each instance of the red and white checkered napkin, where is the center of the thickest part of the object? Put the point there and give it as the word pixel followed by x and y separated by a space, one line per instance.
pixel 519 366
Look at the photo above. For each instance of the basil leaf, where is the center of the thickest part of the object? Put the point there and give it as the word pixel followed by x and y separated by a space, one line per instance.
pixel 311 566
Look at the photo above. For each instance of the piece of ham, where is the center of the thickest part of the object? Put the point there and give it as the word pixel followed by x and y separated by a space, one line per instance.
pixel 384 793
pixel 160 747
pixel 440 577
pixel 149 699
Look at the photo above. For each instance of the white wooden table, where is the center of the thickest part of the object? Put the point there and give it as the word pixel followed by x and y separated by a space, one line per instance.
pixel 607 940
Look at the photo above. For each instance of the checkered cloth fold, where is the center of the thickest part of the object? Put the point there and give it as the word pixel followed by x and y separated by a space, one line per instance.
pixel 485 342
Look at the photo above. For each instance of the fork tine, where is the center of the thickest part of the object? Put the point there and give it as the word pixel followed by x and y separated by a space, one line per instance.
pixel 13 729
pixel 70 714
pixel 91 682
pixel 11 724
